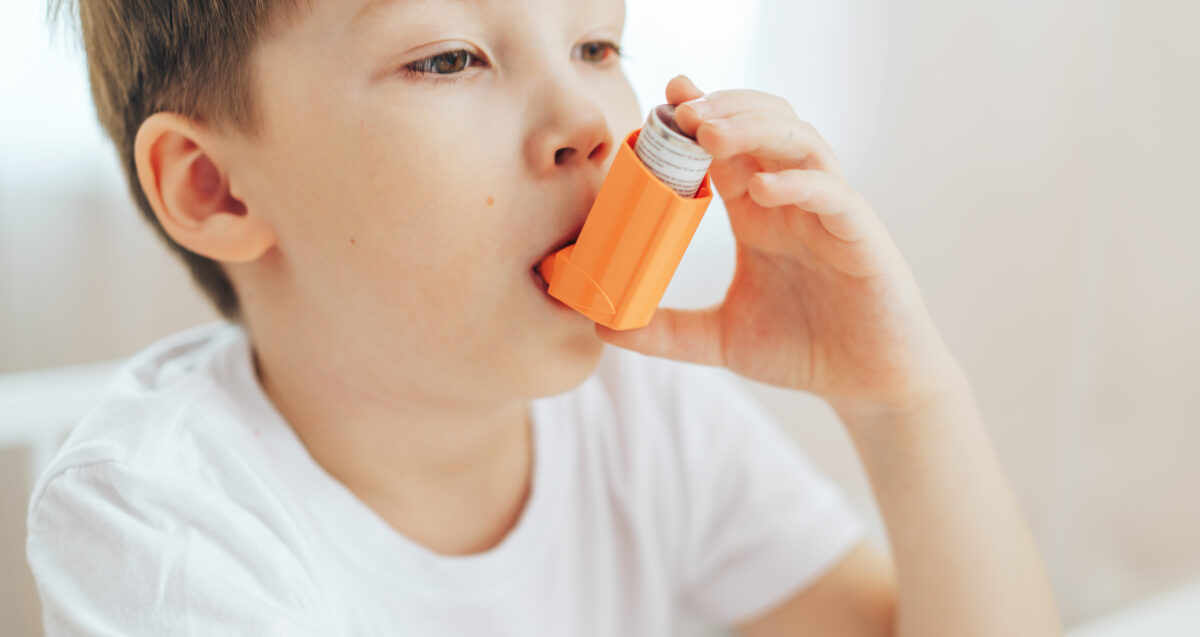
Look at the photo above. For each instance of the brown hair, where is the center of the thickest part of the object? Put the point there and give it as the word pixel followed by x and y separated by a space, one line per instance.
pixel 184 56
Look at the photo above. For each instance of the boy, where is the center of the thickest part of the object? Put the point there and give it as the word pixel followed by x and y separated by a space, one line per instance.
pixel 399 432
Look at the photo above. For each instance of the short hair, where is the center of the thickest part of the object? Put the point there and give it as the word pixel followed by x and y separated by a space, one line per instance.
pixel 183 56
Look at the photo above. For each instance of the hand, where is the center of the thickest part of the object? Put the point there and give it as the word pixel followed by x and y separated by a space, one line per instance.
pixel 821 299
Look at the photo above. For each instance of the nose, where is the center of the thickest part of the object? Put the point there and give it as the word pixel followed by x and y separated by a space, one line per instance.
pixel 573 133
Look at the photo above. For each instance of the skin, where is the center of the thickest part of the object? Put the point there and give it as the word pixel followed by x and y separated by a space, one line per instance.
pixel 367 192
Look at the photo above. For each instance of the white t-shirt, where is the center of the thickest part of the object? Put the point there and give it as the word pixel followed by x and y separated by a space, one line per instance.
pixel 184 504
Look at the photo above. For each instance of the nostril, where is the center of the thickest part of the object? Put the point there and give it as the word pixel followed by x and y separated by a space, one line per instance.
pixel 598 151
pixel 563 154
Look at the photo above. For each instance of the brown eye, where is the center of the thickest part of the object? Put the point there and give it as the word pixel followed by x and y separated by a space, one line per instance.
pixel 596 51
pixel 448 63
pixel 452 62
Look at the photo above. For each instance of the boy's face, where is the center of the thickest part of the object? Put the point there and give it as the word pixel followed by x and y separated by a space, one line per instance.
pixel 410 207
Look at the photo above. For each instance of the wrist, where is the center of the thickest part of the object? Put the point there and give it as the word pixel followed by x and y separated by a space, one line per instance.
pixel 939 388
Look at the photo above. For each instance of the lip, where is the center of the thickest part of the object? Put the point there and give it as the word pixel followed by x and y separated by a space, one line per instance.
pixel 542 285
pixel 583 206
pixel 538 280
pixel 567 239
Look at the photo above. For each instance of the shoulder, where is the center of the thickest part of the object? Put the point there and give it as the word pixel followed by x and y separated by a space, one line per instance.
pixel 157 499
pixel 124 550
pixel 171 413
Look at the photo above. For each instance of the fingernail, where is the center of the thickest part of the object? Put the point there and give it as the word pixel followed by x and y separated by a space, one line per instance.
pixel 769 178
pixel 700 106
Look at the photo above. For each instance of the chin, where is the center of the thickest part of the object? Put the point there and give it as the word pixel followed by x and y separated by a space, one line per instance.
pixel 568 365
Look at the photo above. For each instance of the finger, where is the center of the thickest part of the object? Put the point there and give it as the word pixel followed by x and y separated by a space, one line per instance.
pixel 717 104
pixel 768 135
pixel 843 212
pixel 681 89
pixel 692 336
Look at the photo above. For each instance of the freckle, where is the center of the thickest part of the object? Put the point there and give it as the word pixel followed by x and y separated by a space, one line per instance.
pixel 351 240
pixel 491 201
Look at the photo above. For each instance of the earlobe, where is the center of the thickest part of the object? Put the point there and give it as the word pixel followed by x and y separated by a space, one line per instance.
pixel 189 191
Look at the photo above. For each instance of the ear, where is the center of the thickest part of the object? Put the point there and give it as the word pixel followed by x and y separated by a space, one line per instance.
pixel 190 191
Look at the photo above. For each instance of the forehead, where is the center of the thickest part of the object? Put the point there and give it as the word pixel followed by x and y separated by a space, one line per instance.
pixel 371 7
pixel 368 8
pixel 326 26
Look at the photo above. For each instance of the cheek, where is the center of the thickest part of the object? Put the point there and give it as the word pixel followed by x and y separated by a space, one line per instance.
pixel 421 220
pixel 425 199
pixel 392 201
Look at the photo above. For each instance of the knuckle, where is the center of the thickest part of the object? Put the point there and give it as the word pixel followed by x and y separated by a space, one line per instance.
pixel 719 98
pixel 783 104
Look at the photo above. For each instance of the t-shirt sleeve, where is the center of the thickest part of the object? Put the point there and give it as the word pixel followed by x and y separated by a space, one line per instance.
pixel 761 522
pixel 119 551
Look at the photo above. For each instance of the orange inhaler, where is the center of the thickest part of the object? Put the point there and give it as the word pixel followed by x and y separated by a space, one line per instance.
pixel 631 242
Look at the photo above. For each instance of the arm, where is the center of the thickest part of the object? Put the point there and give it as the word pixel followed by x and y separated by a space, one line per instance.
pixel 822 301
pixel 965 562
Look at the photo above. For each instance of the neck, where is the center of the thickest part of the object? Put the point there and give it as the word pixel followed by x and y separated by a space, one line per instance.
pixel 380 445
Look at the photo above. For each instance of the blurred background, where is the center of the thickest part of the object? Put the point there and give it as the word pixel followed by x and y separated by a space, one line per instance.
pixel 1035 161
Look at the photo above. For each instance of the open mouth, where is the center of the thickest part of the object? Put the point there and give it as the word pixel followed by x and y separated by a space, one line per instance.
pixel 535 271
pixel 567 240
pixel 538 280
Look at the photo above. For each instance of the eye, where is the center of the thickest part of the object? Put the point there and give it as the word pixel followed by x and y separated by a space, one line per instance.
pixel 597 51
pixel 448 65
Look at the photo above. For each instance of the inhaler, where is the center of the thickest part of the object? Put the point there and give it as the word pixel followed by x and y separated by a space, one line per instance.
pixel 637 230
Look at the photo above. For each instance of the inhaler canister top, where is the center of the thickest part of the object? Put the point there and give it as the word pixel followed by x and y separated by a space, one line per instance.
pixel 669 154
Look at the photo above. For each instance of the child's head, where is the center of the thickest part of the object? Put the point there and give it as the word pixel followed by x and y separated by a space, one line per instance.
pixel 325 178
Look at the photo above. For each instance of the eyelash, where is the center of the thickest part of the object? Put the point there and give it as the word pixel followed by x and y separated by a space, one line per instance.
pixel 416 69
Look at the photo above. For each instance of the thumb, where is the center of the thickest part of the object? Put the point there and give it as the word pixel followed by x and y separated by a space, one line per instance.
pixel 691 336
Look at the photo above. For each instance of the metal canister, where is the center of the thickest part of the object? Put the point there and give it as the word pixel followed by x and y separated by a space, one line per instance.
pixel 669 154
